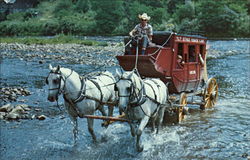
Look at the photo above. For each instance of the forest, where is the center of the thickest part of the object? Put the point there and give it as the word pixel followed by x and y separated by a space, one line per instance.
pixel 211 18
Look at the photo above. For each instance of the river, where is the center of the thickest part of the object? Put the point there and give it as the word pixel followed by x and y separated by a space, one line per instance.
pixel 222 132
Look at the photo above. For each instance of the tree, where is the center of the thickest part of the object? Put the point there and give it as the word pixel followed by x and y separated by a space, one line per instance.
pixel 219 18
pixel 109 14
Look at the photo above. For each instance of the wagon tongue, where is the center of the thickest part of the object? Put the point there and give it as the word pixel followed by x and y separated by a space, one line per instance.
pixel 145 66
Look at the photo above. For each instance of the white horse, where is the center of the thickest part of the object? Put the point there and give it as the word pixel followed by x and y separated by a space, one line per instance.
pixel 141 100
pixel 81 96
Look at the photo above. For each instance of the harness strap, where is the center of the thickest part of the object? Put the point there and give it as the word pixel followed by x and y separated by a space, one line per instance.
pixel 97 85
pixel 152 89
pixel 72 104
pixel 81 94
pixel 142 98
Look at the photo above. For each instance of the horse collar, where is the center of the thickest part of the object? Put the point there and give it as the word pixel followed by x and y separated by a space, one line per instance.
pixel 82 92
pixel 141 98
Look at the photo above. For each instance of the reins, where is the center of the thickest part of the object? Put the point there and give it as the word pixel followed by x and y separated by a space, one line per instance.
pixel 162 44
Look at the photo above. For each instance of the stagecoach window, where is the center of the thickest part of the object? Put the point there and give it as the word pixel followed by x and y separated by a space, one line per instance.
pixel 191 53
pixel 202 50
pixel 180 49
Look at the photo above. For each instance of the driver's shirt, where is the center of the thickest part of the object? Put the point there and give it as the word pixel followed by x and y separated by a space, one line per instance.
pixel 140 30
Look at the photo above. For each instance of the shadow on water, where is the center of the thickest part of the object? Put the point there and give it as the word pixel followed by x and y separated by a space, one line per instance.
pixel 217 133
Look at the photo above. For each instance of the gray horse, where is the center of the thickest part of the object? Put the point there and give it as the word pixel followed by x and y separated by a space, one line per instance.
pixel 81 96
pixel 141 101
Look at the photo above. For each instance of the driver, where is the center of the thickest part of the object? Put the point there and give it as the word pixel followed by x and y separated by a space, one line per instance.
pixel 143 31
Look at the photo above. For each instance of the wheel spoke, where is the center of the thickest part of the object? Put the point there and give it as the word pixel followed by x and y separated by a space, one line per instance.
pixel 210 93
pixel 214 88
pixel 212 103
pixel 207 98
pixel 207 95
pixel 210 88
pixel 206 103
pixel 209 102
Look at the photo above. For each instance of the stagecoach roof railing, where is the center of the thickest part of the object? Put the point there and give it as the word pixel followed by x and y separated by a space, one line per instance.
pixel 195 34
pixel 162 44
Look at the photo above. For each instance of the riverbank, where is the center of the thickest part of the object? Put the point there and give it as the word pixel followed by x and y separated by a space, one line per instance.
pixel 100 55
pixel 73 53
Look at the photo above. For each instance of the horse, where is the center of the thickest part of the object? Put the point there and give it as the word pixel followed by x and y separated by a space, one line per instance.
pixel 141 100
pixel 82 96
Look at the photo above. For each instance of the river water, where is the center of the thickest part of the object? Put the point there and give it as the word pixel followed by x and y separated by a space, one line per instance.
pixel 222 132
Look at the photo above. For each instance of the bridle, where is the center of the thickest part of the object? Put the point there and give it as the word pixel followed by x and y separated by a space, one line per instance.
pixel 137 99
pixel 61 78
pixel 131 89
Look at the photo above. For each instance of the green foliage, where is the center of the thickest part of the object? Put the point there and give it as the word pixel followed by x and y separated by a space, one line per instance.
pixel 83 6
pixel 184 12
pixel 63 7
pixel 50 27
pixel 221 18
pixel 108 15
pixel 16 16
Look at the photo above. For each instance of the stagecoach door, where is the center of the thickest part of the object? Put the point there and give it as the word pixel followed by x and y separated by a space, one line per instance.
pixel 186 72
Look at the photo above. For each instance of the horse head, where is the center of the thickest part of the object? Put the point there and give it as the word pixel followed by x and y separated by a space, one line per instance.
pixel 125 88
pixel 55 83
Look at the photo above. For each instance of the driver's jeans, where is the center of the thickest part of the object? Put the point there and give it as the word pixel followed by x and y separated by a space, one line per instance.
pixel 145 41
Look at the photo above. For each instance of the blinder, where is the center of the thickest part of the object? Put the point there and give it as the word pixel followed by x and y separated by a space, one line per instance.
pixel 58 72
pixel 129 89
pixel 115 88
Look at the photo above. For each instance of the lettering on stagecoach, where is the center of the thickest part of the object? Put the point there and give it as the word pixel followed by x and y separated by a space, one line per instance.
pixel 186 39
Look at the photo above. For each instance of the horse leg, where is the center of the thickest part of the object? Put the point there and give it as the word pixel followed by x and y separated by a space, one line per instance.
pixel 73 118
pixel 110 114
pixel 153 124
pixel 90 128
pixel 101 109
pixel 75 128
pixel 160 117
pixel 120 111
pixel 141 127
pixel 111 110
pixel 132 129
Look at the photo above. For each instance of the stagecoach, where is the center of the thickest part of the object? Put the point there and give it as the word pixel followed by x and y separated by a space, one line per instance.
pixel 179 60
pixel 158 88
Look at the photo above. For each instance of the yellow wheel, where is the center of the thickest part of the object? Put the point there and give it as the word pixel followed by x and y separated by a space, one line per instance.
pixel 182 103
pixel 210 95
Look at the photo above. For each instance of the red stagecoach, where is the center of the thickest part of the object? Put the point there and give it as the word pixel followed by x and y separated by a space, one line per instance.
pixel 179 60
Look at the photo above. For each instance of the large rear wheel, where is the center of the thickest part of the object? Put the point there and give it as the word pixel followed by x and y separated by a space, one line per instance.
pixel 180 109
pixel 210 95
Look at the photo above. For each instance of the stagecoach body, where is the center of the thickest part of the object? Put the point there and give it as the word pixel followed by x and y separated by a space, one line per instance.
pixel 163 62
pixel 183 76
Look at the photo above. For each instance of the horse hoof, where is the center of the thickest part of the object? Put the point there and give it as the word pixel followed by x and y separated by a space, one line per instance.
pixel 132 134
pixel 140 149
pixel 105 124
pixel 75 144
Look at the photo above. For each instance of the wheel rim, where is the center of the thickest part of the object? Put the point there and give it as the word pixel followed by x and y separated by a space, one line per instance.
pixel 210 96
pixel 183 103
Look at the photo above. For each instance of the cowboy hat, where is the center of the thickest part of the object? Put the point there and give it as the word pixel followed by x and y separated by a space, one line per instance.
pixel 144 16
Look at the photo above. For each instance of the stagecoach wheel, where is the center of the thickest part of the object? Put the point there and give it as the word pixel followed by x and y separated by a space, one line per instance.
pixel 210 95
pixel 183 103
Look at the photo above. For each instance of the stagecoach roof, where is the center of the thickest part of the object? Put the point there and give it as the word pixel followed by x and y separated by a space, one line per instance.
pixel 166 33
